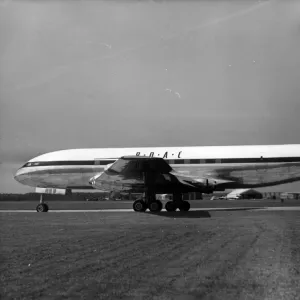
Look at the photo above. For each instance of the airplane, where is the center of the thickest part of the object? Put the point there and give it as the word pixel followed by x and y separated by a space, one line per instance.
pixel 163 170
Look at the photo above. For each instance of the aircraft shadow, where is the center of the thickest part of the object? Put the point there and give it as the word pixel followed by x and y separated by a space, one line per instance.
pixel 182 214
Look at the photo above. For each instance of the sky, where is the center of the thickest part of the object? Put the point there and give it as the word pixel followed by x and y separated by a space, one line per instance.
pixel 80 74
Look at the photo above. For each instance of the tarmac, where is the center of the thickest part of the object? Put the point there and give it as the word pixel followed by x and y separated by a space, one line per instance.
pixel 286 208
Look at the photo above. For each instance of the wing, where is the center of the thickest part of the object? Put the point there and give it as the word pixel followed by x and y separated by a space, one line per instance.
pixel 217 184
pixel 136 174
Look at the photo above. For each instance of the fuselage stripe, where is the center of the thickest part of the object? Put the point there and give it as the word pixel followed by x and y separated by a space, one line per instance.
pixel 170 161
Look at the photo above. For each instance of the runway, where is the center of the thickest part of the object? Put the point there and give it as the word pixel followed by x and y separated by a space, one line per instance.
pixel 228 255
pixel 287 208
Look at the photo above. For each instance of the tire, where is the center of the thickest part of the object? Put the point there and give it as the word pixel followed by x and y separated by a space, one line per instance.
pixel 155 206
pixel 170 206
pixel 139 206
pixel 184 206
pixel 42 207
pixel 160 204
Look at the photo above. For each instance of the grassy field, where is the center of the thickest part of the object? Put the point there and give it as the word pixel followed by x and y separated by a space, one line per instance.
pixel 231 255
pixel 66 205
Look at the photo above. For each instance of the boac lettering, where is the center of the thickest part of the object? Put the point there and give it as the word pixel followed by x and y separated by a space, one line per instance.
pixel 152 154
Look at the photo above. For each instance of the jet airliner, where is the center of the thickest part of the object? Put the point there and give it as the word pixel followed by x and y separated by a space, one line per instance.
pixel 163 170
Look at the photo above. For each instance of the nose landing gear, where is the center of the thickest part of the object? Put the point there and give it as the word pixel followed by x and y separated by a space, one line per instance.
pixel 42 207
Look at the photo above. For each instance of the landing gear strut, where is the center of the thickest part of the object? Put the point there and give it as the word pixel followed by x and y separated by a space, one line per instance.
pixel 42 207
pixel 149 201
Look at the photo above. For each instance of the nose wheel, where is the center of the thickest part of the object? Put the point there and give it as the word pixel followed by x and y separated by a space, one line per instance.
pixel 42 207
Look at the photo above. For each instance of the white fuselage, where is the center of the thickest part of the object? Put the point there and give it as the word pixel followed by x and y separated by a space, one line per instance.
pixel 250 166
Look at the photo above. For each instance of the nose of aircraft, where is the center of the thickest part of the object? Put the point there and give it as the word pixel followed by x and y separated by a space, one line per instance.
pixel 21 175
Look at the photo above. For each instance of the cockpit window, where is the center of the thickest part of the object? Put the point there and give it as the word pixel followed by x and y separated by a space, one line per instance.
pixel 30 164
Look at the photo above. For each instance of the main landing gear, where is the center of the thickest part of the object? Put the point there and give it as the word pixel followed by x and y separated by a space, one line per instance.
pixel 42 207
pixel 142 206
pixel 154 205
pixel 182 206
pixel 149 202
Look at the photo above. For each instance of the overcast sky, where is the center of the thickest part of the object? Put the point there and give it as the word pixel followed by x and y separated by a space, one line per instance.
pixel 77 74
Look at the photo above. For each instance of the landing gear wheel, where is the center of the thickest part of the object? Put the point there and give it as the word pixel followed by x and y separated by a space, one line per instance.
pixel 42 207
pixel 170 206
pixel 184 206
pixel 160 205
pixel 155 206
pixel 139 206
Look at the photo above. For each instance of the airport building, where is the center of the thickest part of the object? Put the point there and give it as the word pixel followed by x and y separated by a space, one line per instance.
pixel 244 194
pixel 192 196
pixel 290 195
pixel 187 196
pixel 271 195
